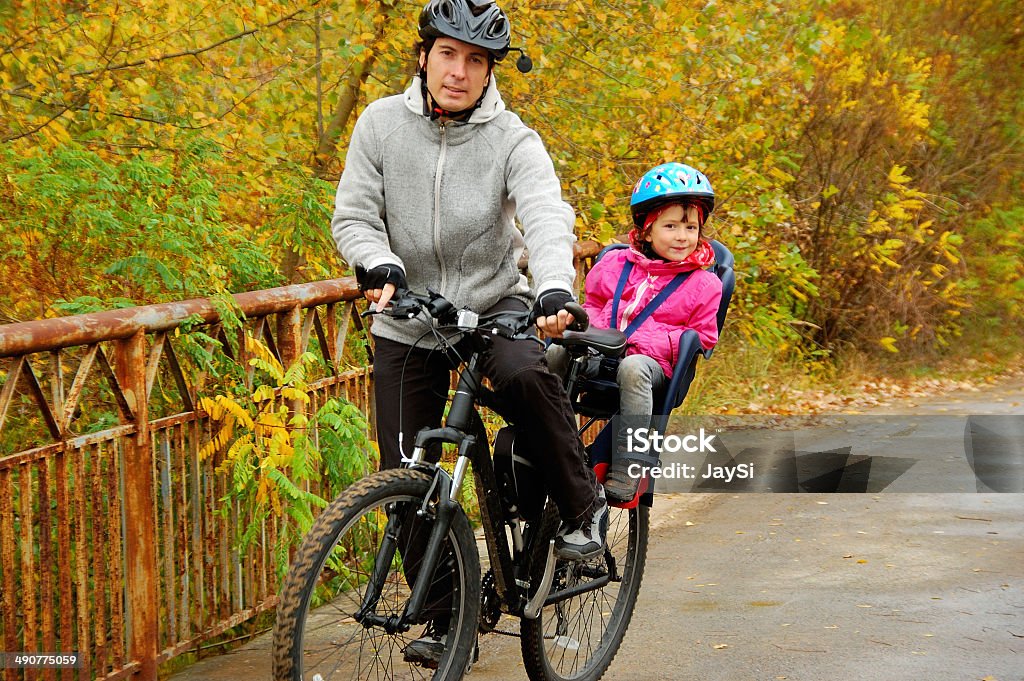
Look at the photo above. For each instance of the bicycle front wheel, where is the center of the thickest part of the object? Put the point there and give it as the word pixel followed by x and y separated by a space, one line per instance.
pixel 590 605
pixel 317 635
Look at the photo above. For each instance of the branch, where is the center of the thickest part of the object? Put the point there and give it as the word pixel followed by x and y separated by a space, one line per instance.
pixel 591 66
pixel 117 114
pixel 327 144
pixel 982 160
pixel 29 133
pixel 197 51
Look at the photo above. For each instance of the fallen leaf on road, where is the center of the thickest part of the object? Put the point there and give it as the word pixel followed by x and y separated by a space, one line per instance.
pixel 721 646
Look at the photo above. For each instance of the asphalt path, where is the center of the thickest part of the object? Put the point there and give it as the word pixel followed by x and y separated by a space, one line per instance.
pixel 886 586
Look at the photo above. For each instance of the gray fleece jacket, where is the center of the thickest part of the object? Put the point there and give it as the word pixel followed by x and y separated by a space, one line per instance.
pixel 439 200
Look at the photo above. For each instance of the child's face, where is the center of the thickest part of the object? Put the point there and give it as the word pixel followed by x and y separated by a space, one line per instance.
pixel 675 232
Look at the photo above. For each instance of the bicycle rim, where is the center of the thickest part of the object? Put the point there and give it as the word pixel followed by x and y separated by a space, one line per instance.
pixel 578 637
pixel 317 637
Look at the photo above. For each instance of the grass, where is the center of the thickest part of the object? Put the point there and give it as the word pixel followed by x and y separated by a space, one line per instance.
pixel 743 378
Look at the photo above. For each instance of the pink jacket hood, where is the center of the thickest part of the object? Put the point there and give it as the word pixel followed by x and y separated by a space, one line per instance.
pixel 693 306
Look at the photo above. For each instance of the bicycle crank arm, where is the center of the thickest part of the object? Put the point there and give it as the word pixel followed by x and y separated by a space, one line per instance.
pixel 573 591
pixel 534 605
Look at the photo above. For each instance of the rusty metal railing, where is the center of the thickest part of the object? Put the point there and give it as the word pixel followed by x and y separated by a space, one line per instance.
pixel 109 537
pixel 110 540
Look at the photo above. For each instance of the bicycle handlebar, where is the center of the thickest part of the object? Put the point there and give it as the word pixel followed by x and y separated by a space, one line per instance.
pixel 406 304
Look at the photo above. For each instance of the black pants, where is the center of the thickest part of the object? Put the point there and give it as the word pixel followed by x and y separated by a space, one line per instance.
pixel 411 388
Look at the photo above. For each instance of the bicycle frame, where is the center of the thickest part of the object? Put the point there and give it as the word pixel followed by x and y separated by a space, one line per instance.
pixel 396 550
pixel 511 571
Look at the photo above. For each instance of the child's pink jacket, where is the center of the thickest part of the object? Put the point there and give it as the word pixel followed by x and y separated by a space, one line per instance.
pixel 694 305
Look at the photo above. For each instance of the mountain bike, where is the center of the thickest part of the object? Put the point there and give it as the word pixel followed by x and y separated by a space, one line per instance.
pixel 396 550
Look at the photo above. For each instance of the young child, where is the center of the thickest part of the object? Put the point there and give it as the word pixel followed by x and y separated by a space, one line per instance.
pixel 670 204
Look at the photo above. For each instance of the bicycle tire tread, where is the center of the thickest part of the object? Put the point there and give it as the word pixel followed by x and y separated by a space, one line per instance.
pixel 307 557
pixel 534 658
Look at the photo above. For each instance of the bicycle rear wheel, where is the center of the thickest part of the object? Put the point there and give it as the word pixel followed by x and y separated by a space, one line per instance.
pixel 577 636
pixel 316 635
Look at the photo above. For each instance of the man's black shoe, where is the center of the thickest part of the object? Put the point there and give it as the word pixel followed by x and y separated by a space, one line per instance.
pixel 427 650
pixel 584 539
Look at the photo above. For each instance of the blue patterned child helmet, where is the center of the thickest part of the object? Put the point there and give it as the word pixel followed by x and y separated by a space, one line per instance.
pixel 670 183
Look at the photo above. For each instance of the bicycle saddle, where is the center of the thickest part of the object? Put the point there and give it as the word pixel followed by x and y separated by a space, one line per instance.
pixel 609 342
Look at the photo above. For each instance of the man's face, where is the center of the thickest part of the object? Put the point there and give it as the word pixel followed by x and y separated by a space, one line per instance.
pixel 457 73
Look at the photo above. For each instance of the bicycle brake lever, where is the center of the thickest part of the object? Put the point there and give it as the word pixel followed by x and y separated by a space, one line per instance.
pixel 402 305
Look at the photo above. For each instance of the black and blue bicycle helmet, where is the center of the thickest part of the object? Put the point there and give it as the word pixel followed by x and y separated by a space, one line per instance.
pixel 477 22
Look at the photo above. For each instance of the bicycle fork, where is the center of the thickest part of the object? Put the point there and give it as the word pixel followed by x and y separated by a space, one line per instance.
pixel 444 489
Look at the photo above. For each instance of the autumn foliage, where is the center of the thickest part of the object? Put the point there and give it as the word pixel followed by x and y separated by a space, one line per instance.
pixel 867 156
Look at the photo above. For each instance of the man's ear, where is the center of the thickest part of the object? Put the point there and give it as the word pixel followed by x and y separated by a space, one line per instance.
pixel 423 59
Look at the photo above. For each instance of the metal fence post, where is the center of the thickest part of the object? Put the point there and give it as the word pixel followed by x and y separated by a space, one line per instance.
pixel 140 526
pixel 289 342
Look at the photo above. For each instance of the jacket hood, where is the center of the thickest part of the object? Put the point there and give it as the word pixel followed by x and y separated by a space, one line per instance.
pixel 701 257
pixel 489 108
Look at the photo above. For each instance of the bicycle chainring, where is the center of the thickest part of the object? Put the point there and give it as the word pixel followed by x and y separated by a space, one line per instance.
pixel 490 604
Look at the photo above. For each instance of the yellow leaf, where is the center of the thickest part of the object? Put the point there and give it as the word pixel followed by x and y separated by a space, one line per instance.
pixel 797 293
pixel 889 343
pixel 897 178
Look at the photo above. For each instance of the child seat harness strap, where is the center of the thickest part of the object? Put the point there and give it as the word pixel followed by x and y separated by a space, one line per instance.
pixel 648 309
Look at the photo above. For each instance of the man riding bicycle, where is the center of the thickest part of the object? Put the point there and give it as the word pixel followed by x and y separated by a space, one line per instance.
pixel 433 180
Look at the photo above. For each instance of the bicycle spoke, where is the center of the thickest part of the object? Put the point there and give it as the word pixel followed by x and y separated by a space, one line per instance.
pixel 576 637
pixel 320 637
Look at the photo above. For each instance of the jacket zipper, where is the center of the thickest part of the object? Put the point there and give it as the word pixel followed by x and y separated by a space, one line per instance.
pixel 627 314
pixel 437 208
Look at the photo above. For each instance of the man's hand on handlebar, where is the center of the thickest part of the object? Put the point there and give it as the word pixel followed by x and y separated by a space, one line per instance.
pixel 380 283
pixel 564 313
pixel 556 311
pixel 381 296
pixel 556 324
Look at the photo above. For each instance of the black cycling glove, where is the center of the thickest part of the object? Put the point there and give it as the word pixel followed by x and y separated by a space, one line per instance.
pixel 551 302
pixel 379 276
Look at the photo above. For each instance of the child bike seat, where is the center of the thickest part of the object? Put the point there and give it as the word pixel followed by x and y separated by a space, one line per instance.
pixel 609 342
